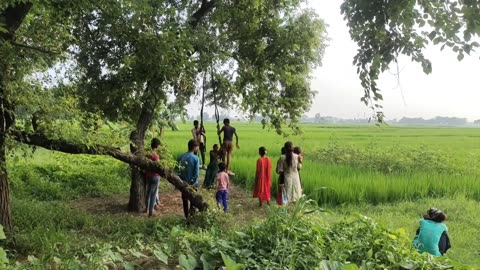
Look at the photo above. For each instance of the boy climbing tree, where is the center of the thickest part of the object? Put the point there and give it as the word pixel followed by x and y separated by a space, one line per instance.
pixel 228 132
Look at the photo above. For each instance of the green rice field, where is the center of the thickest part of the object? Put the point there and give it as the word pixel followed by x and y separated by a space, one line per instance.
pixel 353 164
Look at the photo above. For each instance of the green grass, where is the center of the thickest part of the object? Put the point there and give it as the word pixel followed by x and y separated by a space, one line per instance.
pixel 463 222
pixel 48 227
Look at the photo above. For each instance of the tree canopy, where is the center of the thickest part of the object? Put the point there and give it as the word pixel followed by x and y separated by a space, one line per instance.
pixel 384 30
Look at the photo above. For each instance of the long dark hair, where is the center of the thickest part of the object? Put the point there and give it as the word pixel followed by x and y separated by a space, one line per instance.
pixel 289 153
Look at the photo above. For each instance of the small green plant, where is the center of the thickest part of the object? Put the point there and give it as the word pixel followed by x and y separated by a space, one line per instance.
pixel 3 254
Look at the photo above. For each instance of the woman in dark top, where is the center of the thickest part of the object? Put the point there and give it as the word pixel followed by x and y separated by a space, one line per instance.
pixel 212 169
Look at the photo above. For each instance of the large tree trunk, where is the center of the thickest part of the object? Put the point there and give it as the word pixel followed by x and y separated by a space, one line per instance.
pixel 5 214
pixel 12 17
pixel 6 121
pixel 137 199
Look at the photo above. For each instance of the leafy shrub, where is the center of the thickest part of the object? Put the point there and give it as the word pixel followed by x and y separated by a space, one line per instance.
pixel 291 239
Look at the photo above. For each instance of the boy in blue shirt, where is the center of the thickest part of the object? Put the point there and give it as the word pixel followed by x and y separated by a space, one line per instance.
pixel 189 171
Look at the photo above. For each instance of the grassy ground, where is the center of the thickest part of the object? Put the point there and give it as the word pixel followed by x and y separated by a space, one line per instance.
pixel 68 206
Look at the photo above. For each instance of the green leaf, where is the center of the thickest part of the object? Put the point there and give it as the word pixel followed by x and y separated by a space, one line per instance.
pixel 351 267
pixel 421 23
pixel 460 56
pixel 128 266
pixel 206 265
pixel 187 262
pixel 432 35
pixel 3 258
pixel 331 265
pixel 161 256
pixel 369 254
pixel 231 264
pixel 2 234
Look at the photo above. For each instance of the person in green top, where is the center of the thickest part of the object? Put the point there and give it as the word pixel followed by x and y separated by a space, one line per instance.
pixel 432 229
pixel 212 169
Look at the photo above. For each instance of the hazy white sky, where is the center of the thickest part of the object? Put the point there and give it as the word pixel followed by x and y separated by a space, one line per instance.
pixel 452 89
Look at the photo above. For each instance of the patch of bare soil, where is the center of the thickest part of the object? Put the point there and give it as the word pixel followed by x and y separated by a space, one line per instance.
pixel 241 203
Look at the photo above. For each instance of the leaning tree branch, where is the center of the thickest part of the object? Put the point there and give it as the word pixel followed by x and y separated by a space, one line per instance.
pixel 35 48
pixel 64 146
pixel 204 9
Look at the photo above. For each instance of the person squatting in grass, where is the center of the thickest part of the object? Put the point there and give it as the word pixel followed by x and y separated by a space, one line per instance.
pixel 198 134
pixel 281 194
pixel 188 171
pixel 432 235
pixel 228 132
pixel 152 180
pixel 263 177
pixel 223 185
pixel 212 169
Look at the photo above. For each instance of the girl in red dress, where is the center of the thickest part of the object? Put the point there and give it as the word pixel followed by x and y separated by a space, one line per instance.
pixel 263 177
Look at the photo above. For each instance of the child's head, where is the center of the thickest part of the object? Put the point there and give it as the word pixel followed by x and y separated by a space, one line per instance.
pixel 436 215
pixel 215 147
pixel 297 150
pixel 192 145
pixel 155 143
pixel 262 151
pixel 195 123
pixel 226 121
pixel 221 167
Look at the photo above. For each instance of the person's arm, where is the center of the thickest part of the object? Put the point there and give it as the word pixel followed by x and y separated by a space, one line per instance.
pixel 236 138
pixel 258 170
pixel 196 171
pixel 219 131
pixel 299 165
pixel 280 166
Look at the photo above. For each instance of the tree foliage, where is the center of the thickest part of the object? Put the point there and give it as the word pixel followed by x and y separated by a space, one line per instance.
pixel 384 30
pixel 257 55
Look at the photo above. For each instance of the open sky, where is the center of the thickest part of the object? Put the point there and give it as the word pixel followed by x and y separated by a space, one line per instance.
pixel 452 89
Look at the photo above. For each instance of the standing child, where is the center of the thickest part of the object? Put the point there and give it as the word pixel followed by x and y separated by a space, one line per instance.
pixel 263 177
pixel 212 168
pixel 189 171
pixel 228 132
pixel 223 184
pixel 198 134
pixel 152 180
pixel 430 234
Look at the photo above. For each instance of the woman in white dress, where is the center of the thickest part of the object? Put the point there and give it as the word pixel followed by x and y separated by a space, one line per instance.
pixel 290 165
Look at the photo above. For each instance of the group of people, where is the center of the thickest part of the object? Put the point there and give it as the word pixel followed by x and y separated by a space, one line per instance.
pixel 288 169
pixel 431 235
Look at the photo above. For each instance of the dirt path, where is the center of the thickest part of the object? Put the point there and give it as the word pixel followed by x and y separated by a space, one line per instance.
pixel 241 203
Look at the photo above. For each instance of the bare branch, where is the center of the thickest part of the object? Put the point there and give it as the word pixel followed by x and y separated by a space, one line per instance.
pixel 42 50
pixel 204 9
